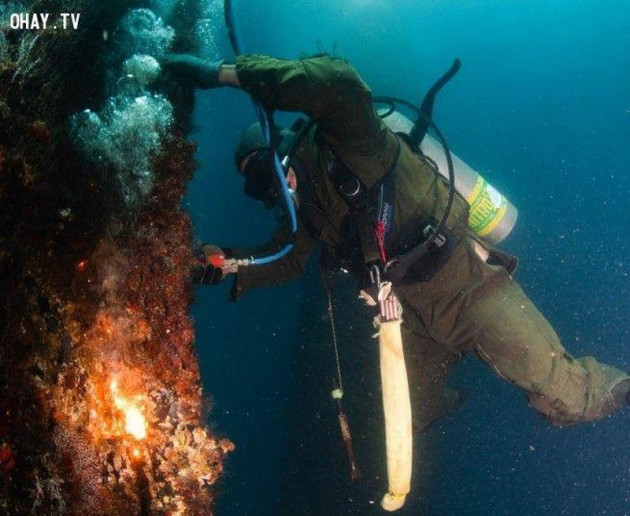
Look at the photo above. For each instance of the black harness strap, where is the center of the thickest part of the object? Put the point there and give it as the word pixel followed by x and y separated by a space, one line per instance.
pixel 419 252
pixel 365 229
pixel 371 227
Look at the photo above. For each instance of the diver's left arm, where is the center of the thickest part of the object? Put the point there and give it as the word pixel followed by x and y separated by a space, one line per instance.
pixel 332 92
pixel 325 88
pixel 284 269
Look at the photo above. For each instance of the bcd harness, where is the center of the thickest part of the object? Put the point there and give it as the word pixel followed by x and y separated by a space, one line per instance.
pixel 422 246
pixel 417 253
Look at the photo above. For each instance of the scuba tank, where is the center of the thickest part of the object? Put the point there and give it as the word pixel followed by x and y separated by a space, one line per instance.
pixel 492 216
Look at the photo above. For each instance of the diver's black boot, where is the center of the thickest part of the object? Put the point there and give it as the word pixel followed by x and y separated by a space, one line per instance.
pixel 621 392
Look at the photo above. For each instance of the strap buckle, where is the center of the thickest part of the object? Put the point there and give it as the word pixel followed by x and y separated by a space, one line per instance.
pixel 429 229
pixel 375 275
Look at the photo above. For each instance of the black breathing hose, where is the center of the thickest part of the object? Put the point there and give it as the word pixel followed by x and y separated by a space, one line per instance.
pixel 229 24
pixel 269 132
pixel 426 108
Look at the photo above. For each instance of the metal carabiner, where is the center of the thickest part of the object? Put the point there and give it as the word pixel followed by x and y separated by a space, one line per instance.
pixel 375 275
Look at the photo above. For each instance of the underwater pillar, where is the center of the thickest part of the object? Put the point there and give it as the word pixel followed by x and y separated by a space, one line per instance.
pixel 101 405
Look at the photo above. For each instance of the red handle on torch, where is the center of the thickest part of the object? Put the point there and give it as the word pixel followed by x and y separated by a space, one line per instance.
pixel 216 260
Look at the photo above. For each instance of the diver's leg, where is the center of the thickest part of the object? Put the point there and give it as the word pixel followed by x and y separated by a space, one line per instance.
pixel 428 364
pixel 516 340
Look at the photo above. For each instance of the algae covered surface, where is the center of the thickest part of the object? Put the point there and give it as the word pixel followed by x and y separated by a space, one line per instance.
pixel 100 396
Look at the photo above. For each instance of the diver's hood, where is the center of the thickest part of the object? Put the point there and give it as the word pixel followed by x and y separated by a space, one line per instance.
pixel 253 140
pixel 260 182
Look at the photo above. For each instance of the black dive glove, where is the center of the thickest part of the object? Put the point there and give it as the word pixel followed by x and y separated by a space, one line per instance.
pixel 204 74
pixel 212 268
pixel 621 392
pixel 211 275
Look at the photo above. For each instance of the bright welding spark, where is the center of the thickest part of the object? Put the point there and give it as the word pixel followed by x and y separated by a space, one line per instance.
pixel 135 422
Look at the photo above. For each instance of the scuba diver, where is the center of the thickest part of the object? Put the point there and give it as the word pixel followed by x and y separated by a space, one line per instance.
pixel 458 297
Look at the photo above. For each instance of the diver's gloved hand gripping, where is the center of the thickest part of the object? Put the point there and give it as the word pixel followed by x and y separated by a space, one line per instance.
pixel 204 74
pixel 213 266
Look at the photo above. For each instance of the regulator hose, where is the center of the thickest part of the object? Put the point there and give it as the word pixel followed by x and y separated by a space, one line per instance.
pixel 228 13
pixel 392 101
pixel 268 129
pixel 419 129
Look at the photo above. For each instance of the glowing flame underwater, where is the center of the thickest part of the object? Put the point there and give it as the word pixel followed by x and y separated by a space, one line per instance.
pixel 135 422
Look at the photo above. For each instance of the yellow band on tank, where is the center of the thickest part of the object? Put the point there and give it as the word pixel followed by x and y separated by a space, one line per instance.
pixel 487 207
pixel 495 221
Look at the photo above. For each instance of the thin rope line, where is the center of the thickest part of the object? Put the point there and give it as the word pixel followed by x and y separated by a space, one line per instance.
pixel 334 335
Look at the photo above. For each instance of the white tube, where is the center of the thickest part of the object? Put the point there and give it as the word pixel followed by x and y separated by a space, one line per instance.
pixel 397 410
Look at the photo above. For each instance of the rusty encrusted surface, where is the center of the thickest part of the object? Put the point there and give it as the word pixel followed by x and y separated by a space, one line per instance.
pixel 94 304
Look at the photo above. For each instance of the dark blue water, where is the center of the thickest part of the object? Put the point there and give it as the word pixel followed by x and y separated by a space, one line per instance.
pixel 542 107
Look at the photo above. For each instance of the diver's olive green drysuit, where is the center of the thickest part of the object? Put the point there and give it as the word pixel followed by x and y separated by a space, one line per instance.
pixel 469 304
